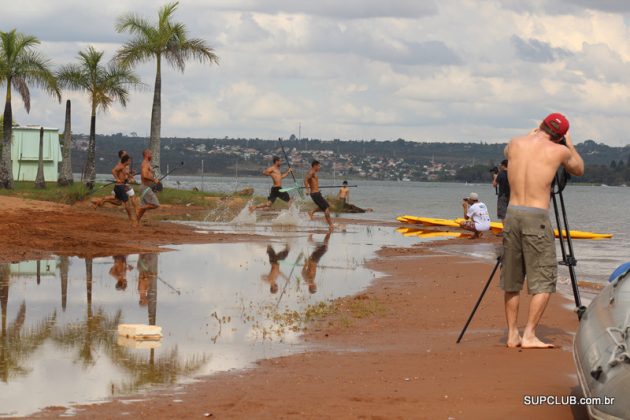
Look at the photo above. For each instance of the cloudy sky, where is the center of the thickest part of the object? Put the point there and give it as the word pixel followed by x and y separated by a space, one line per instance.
pixel 453 70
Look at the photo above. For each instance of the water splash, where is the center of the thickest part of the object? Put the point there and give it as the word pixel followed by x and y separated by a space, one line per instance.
pixel 289 217
pixel 245 217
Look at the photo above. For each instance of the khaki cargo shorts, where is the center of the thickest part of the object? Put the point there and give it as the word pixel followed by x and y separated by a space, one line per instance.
pixel 149 197
pixel 529 251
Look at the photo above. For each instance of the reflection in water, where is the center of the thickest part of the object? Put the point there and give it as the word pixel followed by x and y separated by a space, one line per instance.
pixel 309 271
pixel 17 343
pixel 147 283
pixel 119 271
pixel 274 260
pixel 56 349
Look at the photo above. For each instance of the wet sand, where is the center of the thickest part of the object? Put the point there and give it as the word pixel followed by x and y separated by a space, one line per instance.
pixel 390 352
pixel 36 229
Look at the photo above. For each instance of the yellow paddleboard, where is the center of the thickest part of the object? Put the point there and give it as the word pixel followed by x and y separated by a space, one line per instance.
pixel 428 221
pixel 497 227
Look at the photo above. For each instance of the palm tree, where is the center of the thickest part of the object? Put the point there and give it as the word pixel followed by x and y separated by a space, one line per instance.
pixel 105 85
pixel 20 66
pixel 168 40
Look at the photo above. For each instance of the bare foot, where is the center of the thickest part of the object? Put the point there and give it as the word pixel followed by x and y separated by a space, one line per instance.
pixel 251 209
pixel 514 342
pixel 94 203
pixel 535 343
pixel 311 215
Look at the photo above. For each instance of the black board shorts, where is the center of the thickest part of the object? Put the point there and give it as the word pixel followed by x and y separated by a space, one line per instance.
pixel 319 199
pixel 275 193
pixel 120 191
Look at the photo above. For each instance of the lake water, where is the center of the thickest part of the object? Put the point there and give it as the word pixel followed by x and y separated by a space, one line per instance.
pixel 590 208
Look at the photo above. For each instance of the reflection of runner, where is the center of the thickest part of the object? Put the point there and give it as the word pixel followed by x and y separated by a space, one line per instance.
pixel 147 283
pixel 274 260
pixel 309 271
pixel 119 271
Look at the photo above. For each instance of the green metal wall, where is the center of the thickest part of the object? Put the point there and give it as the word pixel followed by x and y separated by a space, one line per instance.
pixel 25 153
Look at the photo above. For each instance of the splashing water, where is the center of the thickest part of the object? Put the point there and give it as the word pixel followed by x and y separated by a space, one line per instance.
pixel 245 217
pixel 288 217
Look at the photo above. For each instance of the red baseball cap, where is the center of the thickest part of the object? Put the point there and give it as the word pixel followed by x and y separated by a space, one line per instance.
pixel 557 124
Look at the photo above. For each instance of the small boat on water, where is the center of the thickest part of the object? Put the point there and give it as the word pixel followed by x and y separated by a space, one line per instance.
pixel 601 349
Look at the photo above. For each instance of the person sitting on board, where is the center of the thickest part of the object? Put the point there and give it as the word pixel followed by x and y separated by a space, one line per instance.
pixel 311 184
pixel 276 177
pixel 476 215
pixel 344 197
pixel 528 239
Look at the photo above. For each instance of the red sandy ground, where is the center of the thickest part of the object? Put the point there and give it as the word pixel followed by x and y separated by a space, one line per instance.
pixel 35 229
pixel 399 362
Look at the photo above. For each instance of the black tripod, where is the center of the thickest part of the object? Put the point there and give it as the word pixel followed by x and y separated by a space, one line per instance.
pixel 566 248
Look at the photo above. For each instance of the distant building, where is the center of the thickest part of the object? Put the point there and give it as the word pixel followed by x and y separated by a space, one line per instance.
pixel 25 153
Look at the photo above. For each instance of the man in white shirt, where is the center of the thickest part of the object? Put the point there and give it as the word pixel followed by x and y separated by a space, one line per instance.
pixel 476 215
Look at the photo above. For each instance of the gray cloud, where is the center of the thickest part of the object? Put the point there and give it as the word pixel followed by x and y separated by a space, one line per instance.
pixel 537 51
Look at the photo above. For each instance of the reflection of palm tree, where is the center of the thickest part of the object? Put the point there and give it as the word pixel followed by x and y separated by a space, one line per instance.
pixel 147 283
pixel 16 344
pixel 64 266
pixel 165 369
pixel 97 329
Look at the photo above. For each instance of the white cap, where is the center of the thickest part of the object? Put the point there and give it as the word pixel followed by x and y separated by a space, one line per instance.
pixel 473 196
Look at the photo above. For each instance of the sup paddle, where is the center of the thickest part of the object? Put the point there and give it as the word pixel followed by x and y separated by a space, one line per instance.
pixel 286 157
pixel 323 186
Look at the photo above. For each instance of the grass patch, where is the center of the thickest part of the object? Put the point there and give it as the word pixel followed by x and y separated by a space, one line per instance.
pixel 78 192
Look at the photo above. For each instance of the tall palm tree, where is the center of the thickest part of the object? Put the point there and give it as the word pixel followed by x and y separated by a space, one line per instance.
pixel 20 66
pixel 105 85
pixel 165 39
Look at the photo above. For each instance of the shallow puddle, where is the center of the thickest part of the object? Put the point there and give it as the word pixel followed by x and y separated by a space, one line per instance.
pixel 221 307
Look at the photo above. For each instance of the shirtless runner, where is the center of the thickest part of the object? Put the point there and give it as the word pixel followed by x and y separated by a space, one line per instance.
pixel 121 174
pixel 276 176
pixel 148 198
pixel 111 199
pixel 311 184
pixel 528 238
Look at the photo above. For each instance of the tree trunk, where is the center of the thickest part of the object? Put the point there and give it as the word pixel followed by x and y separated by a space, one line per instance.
pixel 90 164
pixel 156 118
pixel 40 182
pixel 6 166
pixel 65 174
pixel 5 274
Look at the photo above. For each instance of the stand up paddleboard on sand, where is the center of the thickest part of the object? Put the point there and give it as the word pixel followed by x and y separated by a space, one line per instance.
pixel 495 227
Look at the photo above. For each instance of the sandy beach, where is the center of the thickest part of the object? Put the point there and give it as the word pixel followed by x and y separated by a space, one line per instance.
pixel 388 352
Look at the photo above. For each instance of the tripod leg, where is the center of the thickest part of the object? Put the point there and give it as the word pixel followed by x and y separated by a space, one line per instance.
pixel 472 314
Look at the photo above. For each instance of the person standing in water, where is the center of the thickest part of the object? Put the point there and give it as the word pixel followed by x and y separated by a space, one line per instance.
pixel 528 239
pixel 311 184
pixel 276 178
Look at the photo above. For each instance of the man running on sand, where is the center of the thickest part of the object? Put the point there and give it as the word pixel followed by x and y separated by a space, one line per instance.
pixel 111 199
pixel 528 238
pixel 121 174
pixel 148 198
pixel 311 183
pixel 276 176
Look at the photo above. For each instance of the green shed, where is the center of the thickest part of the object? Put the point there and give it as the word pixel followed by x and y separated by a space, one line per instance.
pixel 25 153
